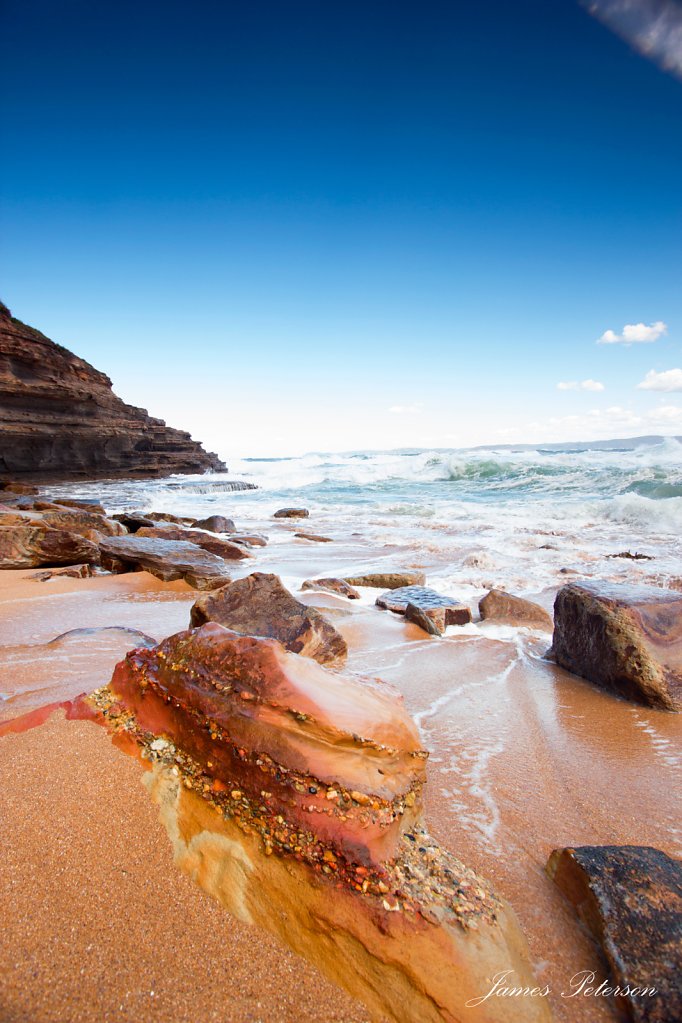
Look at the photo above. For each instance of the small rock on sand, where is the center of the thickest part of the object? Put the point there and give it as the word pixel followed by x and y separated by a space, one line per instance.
pixel 292 513
pixel 442 611
pixel 387 580
pixel 506 609
pixel 216 524
pixel 332 584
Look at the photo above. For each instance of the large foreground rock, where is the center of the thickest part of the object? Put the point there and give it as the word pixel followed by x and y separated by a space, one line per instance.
pixel 30 546
pixel 507 609
pixel 339 753
pixel 260 605
pixel 627 639
pixel 441 610
pixel 166 559
pixel 292 794
pixel 59 418
pixel 630 897
pixel 215 544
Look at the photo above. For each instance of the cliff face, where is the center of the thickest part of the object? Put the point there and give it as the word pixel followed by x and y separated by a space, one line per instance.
pixel 60 419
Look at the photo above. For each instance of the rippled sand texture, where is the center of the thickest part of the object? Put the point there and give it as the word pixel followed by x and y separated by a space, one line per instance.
pixel 524 758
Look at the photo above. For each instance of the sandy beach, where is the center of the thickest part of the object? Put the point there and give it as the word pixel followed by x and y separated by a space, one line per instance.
pixel 523 758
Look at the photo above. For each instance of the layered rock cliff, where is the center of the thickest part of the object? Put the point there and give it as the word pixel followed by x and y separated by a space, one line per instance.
pixel 60 419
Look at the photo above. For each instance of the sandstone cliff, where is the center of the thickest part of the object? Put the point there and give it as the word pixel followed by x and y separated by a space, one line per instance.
pixel 60 419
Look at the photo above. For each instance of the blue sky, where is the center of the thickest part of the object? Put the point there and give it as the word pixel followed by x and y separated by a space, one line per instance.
pixel 303 226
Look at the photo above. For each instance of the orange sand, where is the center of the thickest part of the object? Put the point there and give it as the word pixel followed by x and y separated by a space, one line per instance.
pixel 524 758
pixel 98 925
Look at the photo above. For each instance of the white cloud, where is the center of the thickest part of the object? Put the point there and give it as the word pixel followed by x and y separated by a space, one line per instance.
pixel 652 27
pixel 406 410
pixel 603 424
pixel 580 385
pixel 668 380
pixel 634 333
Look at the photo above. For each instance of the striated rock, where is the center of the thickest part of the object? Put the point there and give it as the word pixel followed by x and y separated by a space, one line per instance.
pixel 166 559
pixel 82 505
pixel 13 518
pixel 59 418
pixel 431 621
pixel 13 487
pixel 339 586
pixel 223 548
pixel 85 523
pixel 336 753
pixel 260 605
pixel 630 898
pixel 133 522
pixel 292 513
pixel 178 520
pixel 71 572
pixel 292 794
pixel 315 537
pixel 442 611
pixel 216 524
pixel 32 545
pixel 627 639
pixel 507 609
pixel 387 580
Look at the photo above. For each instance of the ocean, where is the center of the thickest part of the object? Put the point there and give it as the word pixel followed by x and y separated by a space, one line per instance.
pixel 524 519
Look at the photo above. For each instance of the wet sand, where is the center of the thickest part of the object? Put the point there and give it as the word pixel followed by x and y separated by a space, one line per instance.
pixel 524 758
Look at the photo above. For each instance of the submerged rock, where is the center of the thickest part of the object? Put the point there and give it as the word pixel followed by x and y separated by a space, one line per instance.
pixel 30 546
pixel 260 605
pixel 442 611
pixel 314 537
pixel 216 524
pixel 387 580
pixel 630 898
pixel 627 639
pixel 249 539
pixel 332 584
pixel 292 513
pixel 81 504
pixel 292 794
pixel 505 608
pixel 223 548
pixel 166 559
